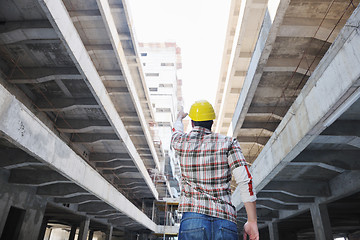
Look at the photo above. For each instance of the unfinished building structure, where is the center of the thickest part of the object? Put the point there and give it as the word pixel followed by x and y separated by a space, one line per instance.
pixel 289 92
pixel 76 144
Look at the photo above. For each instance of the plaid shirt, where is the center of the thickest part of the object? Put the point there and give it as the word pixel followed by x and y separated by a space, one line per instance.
pixel 207 160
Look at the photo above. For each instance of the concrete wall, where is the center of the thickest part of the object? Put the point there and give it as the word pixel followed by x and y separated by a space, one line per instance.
pixel 23 198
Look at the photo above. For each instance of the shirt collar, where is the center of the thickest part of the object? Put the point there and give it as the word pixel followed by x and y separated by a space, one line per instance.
pixel 201 130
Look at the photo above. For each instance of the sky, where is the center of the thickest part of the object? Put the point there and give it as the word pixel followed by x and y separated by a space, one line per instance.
pixel 198 27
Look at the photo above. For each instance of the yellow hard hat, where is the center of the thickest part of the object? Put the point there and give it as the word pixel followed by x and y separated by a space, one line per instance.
pixel 202 111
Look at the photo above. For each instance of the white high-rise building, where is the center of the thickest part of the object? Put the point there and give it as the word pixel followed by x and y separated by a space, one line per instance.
pixel 162 65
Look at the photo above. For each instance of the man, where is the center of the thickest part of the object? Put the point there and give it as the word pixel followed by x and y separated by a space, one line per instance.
pixel 208 160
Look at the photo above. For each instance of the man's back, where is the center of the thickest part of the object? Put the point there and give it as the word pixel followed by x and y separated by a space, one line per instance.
pixel 206 160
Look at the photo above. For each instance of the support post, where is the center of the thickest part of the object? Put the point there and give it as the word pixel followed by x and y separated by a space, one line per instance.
pixel 4 209
pixel 321 222
pixel 32 223
pixel 42 229
pixel 108 234
pixel 273 231
pixel 72 233
pixel 84 229
pixel 153 211
pixel 91 234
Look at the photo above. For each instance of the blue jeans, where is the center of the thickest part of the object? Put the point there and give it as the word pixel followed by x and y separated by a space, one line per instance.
pixel 196 226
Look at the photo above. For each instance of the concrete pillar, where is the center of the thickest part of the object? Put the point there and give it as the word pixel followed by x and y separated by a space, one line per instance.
pixel 273 231
pixel 47 234
pixel 31 225
pixel 4 209
pixel 91 234
pixel 72 232
pixel 42 229
pixel 109 232
pixel 84 229
pixel 321 222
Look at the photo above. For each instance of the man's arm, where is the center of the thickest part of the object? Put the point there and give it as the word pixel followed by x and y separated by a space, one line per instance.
pixel 243 178
pixel 250 227
pixel 178 125
pixel 178 131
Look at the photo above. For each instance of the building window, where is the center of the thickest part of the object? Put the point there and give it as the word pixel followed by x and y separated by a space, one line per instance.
pixel 167 64
pixel 164 124
pixel 152 74
pixel 163 110
pixel 169 85
pixel 144 64
pixel 144 54
pixel 153 89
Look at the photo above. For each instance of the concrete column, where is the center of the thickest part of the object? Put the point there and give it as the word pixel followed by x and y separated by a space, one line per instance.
pixel 109 232
pixel 31 225
pixel 321 222
pixel 43 229
pixel 47 234
pixel 153 212
pixel 72 232
pixel 273 231
pixel 91 234
pixel 4 209
pixel 84 229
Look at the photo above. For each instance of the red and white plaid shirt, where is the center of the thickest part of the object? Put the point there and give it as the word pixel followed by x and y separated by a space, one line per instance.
pixel 207 160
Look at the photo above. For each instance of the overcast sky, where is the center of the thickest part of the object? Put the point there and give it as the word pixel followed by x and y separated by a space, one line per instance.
pixel 198 27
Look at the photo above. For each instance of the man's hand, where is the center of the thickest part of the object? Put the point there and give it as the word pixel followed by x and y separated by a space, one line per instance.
pixel 181 115
pixel 251 229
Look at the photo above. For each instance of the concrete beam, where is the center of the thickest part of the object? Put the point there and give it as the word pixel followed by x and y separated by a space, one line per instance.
pixel 270 126
pixel 246 32
pixel 43 74
pixel 14 32
pixel 16 158
pixel 120 170
pixel 78 199
pixel 275 205
pixel 61 190
pixel 114 164
pixel 83 126
pixel 268 32
pixel 250 139
pixel 318 164
pixel 292 65
pixel 303 188
pixel 66 104
pixel 341 140
pixel 125 68
pixel 94 207
pixel 283 198
pixel 277 112
pixel 63 25
pixel 345 184
pixel 94 137
pixel 109 157
pixel 36 178
pixel 345 159
pixel 44 79
pixel 343 128
pixel 32 135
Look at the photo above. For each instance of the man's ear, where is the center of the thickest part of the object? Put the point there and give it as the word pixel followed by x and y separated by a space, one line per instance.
pixel 192 123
